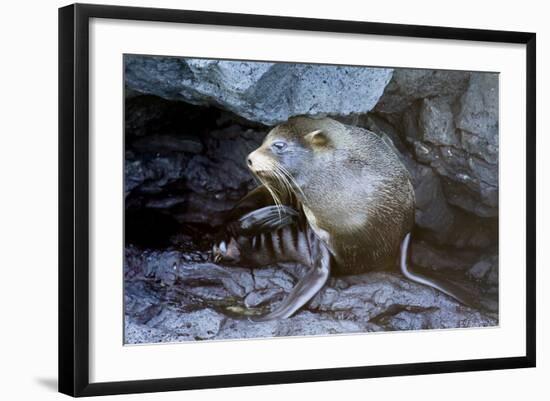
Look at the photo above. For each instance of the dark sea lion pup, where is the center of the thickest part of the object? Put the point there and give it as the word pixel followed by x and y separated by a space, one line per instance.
pixel 333 197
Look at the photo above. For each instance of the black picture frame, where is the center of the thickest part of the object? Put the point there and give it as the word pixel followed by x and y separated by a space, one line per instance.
pixel 74 198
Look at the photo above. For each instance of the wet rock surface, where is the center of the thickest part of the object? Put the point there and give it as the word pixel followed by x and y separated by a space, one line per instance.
pixel 185 168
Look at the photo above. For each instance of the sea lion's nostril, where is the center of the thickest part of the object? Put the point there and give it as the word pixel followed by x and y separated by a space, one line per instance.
pixel 249 161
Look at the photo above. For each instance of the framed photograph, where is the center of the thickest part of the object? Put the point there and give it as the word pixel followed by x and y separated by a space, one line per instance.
pixel 250 199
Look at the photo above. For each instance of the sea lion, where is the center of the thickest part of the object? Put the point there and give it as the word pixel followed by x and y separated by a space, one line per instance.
pixel 333 197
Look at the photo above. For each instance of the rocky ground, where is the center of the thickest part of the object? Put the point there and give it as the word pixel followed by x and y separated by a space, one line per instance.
pixel 189 125
pixel 170 297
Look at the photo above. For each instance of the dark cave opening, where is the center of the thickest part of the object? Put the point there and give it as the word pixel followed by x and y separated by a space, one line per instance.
pixel 184 169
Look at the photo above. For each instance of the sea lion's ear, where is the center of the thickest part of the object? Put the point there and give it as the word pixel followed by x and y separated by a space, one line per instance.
pixel 317 138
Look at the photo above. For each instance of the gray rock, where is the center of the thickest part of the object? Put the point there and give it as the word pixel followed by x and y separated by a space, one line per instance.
pixel 436 122
pixel 486 270
pixel 451 119
pixel 203 301
pixel 262 296
pixel 432 211
pixel 468 182
pixel 410 85
pixel 429 256
pixel 479 146
pixel 135 333
pixel 263 92
pixel 480 269
pixel 492 277
pixel 479 111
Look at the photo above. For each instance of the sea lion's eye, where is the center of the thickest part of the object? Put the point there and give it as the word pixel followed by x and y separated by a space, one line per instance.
pixel 279 146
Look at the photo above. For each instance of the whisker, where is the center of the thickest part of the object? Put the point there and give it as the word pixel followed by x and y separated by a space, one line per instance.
pixel 272 192
pixel 284 187
pixel 292 180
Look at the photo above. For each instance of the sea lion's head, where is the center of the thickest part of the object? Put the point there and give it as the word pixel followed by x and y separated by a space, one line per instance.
pixel 290 151
pixel 354 191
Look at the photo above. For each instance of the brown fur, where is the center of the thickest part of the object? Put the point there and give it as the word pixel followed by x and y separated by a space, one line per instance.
pixel 356 194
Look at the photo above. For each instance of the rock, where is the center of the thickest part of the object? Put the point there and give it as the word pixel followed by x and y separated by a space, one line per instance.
pixel 167 143
pixel 262 296
pixel 268 93
pixel 468 182
pixel 486 270
pixel 432 211
pixel 479 115
pixel 436 122
pixel 206 301
pixel 480 269
pixel 410 85
pixel 480 146
pixel 429 256
pixel 492 277
pixel 152 172
pixel 451 119
pixel 136 333
pixel 144 115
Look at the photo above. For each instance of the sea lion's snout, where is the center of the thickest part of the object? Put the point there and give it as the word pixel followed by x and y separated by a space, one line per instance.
pixel 250 161
pixel 257 162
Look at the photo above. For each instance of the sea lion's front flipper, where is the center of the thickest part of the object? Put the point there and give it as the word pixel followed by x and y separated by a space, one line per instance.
pixel 307 287
pixel 256 199
pixel 268 218
pixel 252 224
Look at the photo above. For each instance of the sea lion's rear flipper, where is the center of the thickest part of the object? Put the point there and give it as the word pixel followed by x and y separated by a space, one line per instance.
pixel 467 295
pixel 269 218
pixel 308 286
